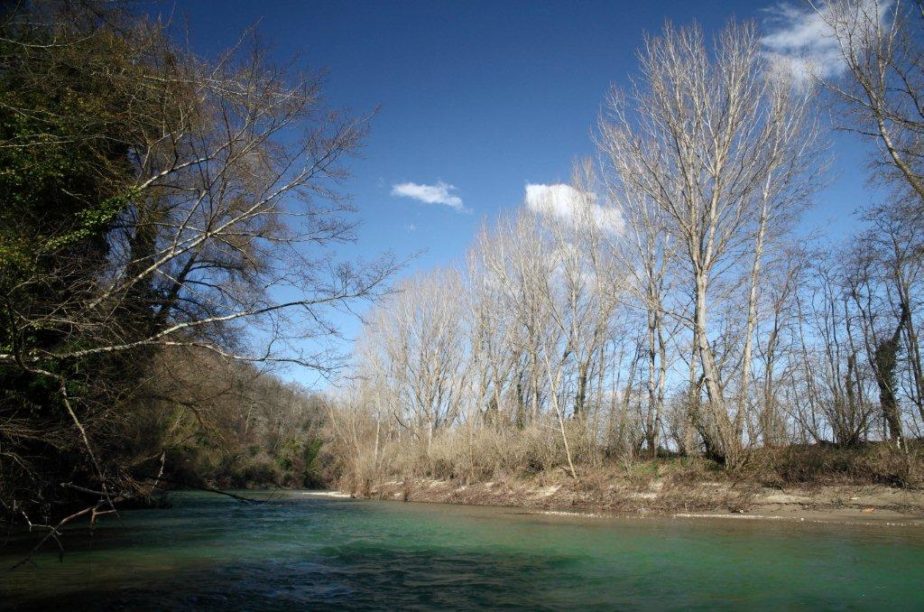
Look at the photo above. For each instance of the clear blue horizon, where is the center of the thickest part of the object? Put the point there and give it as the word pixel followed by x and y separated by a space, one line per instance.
pixel 481 96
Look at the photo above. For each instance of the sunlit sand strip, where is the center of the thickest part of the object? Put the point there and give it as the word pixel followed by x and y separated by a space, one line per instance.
pixel 573 514
pixel 752 517
pixel 833 520
pixel 337 494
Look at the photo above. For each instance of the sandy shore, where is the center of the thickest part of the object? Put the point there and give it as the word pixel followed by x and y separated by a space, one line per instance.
pixel 842 504
pixel 335 494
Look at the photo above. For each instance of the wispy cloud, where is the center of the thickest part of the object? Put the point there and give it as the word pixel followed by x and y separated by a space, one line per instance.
pixel 441 193
pixel 567 204
pixel 800 41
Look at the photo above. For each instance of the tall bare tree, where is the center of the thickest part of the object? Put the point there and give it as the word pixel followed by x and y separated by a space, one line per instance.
pixel 881 45
pixel 418 337
pixel 712 138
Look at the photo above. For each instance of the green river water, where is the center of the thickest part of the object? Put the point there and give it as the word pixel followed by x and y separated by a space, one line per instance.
pixel 303 552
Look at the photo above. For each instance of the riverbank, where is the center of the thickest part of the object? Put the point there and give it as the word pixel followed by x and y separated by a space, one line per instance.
pixel 617 496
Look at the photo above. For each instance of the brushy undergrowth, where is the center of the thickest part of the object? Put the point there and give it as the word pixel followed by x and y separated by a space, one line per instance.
pixel 537 451
pixel 824 464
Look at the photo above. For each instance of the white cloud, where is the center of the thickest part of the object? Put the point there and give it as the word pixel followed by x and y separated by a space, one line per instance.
pixel 441 193
pixel 801 42
pixel 575 208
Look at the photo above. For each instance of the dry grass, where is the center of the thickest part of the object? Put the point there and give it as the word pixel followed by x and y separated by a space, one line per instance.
pixel 817 464
pixel 528 467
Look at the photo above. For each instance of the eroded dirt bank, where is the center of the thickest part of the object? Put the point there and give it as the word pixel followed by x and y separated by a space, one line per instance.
pixel 866 504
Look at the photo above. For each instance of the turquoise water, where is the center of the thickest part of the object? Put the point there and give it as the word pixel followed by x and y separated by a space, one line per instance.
pixel 303 552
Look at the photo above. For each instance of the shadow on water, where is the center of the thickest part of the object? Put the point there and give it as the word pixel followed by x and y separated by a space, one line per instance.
pixel 198 518
pixel 354 577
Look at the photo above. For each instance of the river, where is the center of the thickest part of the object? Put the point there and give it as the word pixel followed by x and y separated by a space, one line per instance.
pixel 300 551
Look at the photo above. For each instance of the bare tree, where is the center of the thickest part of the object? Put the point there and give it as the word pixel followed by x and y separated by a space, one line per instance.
pixel 646 251
pixel 777 345
pixel 714 144
pixel 517 258
pixel 418 338
pixel 881 46
pixel 493 331
pixel 211 226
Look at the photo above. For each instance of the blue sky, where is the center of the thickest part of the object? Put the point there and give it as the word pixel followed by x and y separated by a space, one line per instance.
pixel 483 96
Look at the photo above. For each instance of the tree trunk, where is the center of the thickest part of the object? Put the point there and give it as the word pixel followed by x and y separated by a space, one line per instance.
pixel 651 432
pixel 720 445
pixel 580 397
pixel 885 362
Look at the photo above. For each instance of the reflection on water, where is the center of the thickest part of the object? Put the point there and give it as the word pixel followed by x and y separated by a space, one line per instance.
pixel 314 553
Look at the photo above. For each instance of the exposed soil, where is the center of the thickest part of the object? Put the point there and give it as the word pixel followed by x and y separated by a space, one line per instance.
pixel 617 495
